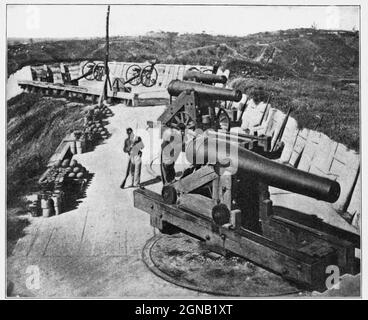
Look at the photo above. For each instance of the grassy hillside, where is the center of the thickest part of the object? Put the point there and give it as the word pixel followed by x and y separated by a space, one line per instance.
pixel 298 66
pixel 36 125
pixel 300 52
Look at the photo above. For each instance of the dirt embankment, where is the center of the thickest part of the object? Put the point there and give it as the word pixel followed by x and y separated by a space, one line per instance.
pixel 299 52
pixel 36 125
pixel 316 105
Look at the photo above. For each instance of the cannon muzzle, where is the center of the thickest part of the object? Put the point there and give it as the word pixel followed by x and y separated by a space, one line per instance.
pixel 203 90
pixel 207 78
pixel 204 150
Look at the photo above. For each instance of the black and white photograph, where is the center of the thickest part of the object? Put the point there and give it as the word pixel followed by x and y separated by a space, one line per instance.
pixel 182 151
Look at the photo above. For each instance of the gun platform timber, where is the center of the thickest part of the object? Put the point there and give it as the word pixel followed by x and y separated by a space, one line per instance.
pixel 233 213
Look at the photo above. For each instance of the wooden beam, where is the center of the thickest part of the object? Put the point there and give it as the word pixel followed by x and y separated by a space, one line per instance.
pixel 302 267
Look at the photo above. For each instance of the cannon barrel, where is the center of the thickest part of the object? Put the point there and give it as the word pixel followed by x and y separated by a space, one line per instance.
pixel 210 150
pixel 207 78
pixel 203 90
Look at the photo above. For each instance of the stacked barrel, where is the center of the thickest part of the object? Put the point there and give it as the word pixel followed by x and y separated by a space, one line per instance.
pixel 57 184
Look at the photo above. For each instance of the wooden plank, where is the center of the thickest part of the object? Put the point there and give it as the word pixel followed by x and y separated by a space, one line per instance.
pixel 294 265
pixel 225 190
pixel 277 121
pixel 317 224
pixel 309 150
pixel 347 178
pixel 60 152
pixel 124 95
pixel 161 74
pixel 289 138
pixel 294 236
pixel 355 205
pixel 253 115
pixel 165 77
pixel 345 166
pixel 324 154
pixel 57 86
pixel 347 156
pixel 181 72
pixel 299 146
pixel 196 179
pixel 197 203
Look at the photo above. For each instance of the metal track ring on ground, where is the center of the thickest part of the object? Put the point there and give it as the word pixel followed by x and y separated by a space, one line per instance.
pixel 184 261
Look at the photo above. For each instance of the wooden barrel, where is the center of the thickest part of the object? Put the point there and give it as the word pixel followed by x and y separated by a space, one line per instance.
pixel 34 209
pixel 73 148
pixel 47 206
pixel 78 146
pixel 56 198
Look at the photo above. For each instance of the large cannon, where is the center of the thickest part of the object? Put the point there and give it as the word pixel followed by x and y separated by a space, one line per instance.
pixel 176 87
pixel 202 106
pixel 198 106
pixel 202 77
pixel 200 151
pixel 223 199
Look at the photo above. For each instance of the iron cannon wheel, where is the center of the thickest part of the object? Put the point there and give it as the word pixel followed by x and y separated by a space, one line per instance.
pixel 133 75
pixel 99 71
pixel 182 121
pixel 88 67
pixel 149 76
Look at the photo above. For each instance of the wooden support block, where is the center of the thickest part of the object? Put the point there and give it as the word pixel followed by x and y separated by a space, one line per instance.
pixel 196 179
pixel 197 203
pixel 225 190
pixel 297 236
pixel 135 100
pixel 235 218
pixel 215 189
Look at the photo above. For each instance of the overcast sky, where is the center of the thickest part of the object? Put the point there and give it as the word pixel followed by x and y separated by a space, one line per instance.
pixel 63 21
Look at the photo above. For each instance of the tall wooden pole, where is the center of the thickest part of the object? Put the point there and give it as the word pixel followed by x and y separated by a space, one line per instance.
pixel 107 53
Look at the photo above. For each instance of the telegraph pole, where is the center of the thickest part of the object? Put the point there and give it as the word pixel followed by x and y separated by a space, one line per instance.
pixel 107 54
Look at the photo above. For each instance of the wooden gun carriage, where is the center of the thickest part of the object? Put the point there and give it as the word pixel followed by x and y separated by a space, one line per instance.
pixel 225 202
pixel 223 199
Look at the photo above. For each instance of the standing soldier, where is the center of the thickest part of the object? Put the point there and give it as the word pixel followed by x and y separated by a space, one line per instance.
pixel 133 146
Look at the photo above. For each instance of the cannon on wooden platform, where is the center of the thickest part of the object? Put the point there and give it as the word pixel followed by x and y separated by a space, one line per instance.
pixel 202 106
pixel 90 71
pixel 197 106
pixel 223 199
